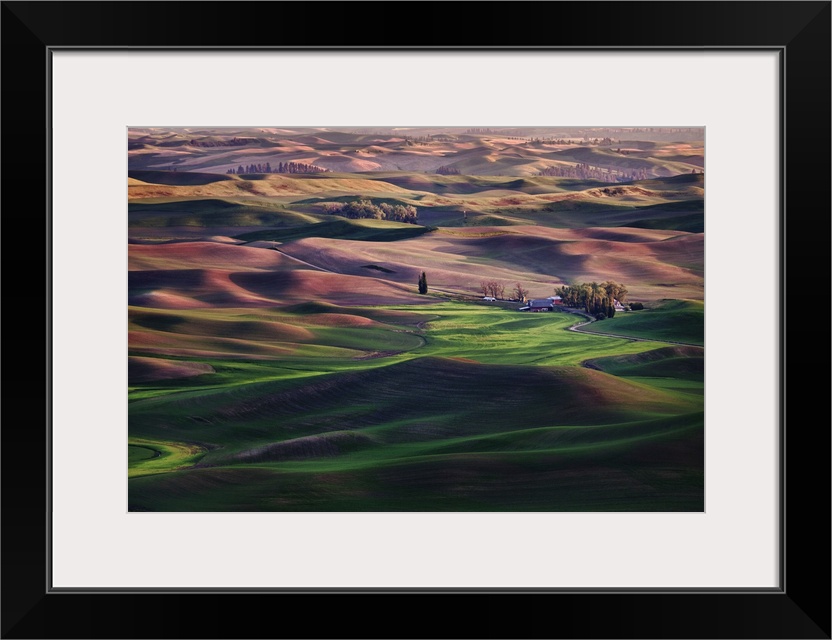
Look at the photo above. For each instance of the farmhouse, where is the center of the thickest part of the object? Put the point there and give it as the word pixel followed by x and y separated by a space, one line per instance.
pixel 556 300
pixel 540 305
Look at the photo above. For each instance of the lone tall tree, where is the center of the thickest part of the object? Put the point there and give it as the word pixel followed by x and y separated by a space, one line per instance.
pixel 423 283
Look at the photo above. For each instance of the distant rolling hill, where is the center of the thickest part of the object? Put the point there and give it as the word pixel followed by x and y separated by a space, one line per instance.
pixel 473 154
pixel 180 199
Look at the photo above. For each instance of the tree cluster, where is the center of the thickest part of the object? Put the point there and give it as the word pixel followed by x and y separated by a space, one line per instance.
pixel 657 130
pixel 493 288
pixel 282 167
pixel 584 171
pixel 365 208
pixel 675 134
pixel 234 142
pixel 586 142
pixel 597 141
pixel 594 298
pixel 520 292
pixel 551 141
pixel 445 170
pixel 422 140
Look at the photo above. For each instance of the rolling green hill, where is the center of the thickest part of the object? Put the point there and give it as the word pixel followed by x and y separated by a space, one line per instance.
pixel 672 320
pixel 342 228
pixel 213 212
pixel 182 178
pixel 373 433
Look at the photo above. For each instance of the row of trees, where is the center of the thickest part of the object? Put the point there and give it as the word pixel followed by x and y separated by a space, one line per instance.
pixel 365 208
pixel 234 142
pixel 584 171
pixel 445 170
pixel 493 288
pixel 658 130
pixel 594 298
pixel 497 290
pixel 428 139
pixel 604 142
pixel 552 141
pixel 282 167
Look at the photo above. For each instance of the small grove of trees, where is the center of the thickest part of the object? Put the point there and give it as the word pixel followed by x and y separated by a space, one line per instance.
pixel 596 299
pixel 636 306
pixel 584 171
pixel 493 288
pixel 281 167
pixel 445 170
pixel 235 142
pixel 411 140
pixel 423 283
pixel 520 292
pixel 365 208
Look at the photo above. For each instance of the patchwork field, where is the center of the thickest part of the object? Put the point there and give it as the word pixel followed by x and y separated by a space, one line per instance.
pixel 282 358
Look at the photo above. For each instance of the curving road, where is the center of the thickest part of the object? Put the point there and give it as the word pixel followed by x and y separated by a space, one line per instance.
pixel 577 329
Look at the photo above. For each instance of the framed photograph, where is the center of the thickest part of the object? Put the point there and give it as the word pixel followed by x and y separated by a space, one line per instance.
pixel 492 313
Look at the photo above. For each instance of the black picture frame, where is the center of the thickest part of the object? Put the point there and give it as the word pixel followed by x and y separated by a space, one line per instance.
pixel 799 608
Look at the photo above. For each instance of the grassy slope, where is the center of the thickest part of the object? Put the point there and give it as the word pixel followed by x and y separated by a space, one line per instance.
pixel 164 456
pixel 673 320
pixel 457 260
pixel 309 424
pixel 669 362
pixel 278 200
pixel 341 228
pixel 660 472
pixel 369 441
pixel 176 177
pixel 213 212
pixel 318 338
